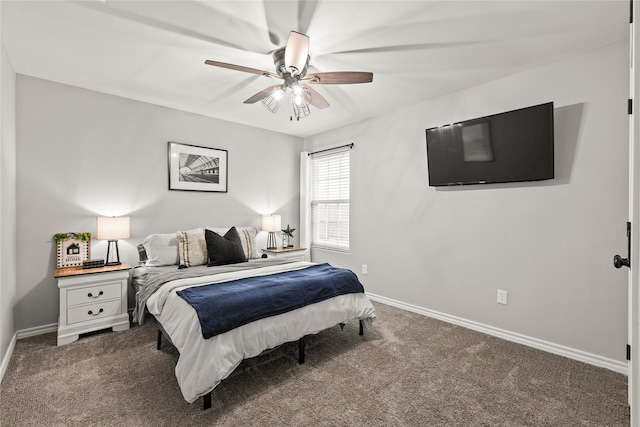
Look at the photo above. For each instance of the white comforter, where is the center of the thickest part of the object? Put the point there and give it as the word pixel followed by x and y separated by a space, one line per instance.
pixel 203 363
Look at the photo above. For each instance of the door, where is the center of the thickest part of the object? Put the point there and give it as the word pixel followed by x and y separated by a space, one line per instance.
pixel 633 236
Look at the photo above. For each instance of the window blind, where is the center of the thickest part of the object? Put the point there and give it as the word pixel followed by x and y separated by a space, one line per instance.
pixel 329 196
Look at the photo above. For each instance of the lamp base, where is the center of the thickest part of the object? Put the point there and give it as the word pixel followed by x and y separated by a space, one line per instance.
pixel 117 260
pixel 271 240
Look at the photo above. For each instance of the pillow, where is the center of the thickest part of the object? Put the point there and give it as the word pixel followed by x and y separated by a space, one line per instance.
pixel 225 249
pixel 247 238
pixel 192 247
pixel 142 254
pixel 161 249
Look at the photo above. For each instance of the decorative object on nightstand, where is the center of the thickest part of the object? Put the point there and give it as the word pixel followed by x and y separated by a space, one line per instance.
pixel 92 299
pixel 271 224
pixel 112 229
pixel 287 235
pixel 72 249
pixel 292 253
pixel 93 263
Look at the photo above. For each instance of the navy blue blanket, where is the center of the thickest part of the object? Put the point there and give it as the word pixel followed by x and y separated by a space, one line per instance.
pixel 224 306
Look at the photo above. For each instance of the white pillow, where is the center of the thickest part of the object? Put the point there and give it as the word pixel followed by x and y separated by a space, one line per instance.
pixel 162 249
pixel 247 237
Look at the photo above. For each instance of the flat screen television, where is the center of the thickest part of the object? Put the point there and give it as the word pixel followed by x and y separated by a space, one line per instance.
pixel 513 146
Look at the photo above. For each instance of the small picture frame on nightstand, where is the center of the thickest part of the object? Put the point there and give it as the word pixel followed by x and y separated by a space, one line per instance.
pixel 72 249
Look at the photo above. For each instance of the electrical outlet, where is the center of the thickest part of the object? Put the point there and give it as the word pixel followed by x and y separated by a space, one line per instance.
pixel 364 269
pixel 502 297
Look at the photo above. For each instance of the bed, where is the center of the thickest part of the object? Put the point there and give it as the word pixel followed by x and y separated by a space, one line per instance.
pixel 183 276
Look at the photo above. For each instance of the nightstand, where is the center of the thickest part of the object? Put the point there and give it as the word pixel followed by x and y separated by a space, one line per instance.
pixel 92 299
pixel 293 253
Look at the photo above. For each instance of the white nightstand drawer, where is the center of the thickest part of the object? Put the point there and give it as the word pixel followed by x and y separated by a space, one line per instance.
pixel 93 311
pixel 93 294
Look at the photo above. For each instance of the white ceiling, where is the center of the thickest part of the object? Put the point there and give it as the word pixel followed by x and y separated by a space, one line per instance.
pixel 417 50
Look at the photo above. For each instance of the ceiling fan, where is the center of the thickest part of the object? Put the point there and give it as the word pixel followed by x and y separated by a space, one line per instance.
pixel 291 63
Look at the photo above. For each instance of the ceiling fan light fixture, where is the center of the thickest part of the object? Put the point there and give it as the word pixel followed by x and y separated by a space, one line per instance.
pixel 300 102
pixel 273 100
pixel 300 111
pixel 277 94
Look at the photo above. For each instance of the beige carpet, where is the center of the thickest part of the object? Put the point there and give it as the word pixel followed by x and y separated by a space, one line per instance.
pixel 409 370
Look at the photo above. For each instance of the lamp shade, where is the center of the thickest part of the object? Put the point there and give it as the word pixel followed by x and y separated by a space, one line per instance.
pixel 271 223
pixel 112 228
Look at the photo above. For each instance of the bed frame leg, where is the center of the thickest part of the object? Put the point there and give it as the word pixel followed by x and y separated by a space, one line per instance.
pixel 206 401
pixel 159 343
pixel 301 350
pixel 361 328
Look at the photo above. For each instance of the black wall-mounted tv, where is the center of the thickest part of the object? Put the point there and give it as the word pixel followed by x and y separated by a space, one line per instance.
pixel 513 146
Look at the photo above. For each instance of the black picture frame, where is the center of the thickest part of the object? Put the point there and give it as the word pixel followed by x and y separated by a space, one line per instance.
pixel 197 168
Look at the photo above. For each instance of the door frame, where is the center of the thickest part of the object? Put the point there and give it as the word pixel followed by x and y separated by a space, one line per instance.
pixel 634 216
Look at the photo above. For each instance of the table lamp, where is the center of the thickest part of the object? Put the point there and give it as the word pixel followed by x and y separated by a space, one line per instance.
pixel 271 224
pixel 112 229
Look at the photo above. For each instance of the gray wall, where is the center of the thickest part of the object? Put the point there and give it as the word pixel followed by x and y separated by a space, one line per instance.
pixel 81 154
pixel 7 202
pixel 549 244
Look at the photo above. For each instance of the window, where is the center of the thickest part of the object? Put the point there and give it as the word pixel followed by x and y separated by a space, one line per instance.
pixel 329 199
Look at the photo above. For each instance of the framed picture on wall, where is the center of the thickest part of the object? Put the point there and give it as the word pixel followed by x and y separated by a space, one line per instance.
pixel 194 168
pixel 72 249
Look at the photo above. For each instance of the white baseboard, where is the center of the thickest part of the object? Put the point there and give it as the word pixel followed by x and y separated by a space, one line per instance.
pixel 23 333
pixel 38 330
pixel 582 356
pixel 7 356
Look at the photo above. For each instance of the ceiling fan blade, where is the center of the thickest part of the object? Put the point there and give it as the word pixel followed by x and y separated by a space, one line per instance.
pixel 278 16
pixel 218 29
pixel 339 77
pixel 296 52
pixel 317 100
pixel 241 68
pixel 261 95
pixel 306 11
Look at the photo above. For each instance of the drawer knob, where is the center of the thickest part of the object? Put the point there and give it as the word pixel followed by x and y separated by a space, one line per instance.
pixel 90 295
pixel 95 314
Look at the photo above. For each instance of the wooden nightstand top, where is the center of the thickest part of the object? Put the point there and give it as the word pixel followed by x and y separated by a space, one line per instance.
pixel 284 250
pixel 78 271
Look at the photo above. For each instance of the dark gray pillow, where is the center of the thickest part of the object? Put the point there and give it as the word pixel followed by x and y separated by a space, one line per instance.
pixel 225 249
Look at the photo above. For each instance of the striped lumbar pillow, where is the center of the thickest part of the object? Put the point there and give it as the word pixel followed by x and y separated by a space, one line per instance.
pixel 192 247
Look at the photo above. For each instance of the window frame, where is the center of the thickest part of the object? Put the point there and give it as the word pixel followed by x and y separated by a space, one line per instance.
pixel 336 195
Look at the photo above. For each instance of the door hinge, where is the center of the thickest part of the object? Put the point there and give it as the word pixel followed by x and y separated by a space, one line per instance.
pixel 628 352
pixel 630 106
